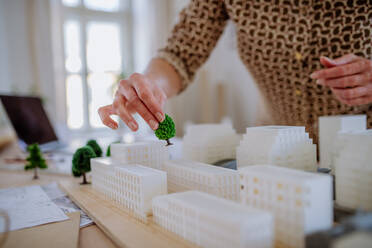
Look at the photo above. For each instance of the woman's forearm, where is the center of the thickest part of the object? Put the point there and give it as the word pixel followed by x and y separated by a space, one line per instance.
pixel 164 75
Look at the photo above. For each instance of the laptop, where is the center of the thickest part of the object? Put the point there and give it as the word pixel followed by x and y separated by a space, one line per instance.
pixel 30 122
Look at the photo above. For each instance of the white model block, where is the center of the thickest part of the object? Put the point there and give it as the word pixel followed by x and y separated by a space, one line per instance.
pixel 287 146
pixel 209 143
pixel 358 239
pixel 210 221
pixel 147 153
pixel 183 175
pixel 329 127
pixel 132 187
pixel 353 171
pixel 300 201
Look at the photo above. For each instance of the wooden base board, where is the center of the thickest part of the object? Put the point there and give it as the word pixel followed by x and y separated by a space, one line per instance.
pixel 57 235
pixel 122 228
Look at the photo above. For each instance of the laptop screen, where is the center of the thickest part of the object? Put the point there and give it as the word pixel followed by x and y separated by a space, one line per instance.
pixel 29 119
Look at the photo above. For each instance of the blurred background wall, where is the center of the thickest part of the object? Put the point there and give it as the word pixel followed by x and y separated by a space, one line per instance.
pixel 72 53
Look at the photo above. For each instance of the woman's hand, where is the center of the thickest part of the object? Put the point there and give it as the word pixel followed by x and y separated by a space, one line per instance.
pixel 137 94
pixel 349 77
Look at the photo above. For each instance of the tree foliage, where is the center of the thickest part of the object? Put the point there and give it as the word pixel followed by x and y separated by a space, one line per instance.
pixel 81 161
pixel 166 129
pixel 35 159
pixel 108 151
pixel 96 148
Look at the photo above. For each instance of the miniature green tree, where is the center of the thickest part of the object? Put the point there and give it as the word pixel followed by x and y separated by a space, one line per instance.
pixel 81 162
pixel 166 130
pixel 108 151
pixel 35 159
pixel 96 148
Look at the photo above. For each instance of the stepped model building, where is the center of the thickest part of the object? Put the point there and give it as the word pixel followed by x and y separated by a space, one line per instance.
pixel 210 143
pixel 132 187
pixel 329 127
pixel 147 153
pixel 210 221
pixel 301 202
pixel 353 170
pixel 184 175
pixel 286 146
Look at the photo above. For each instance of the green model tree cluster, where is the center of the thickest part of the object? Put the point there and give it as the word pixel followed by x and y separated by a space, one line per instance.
pixel 166 130
pixel 108 151
pixel 35 159
pixel 96 148
pixel 82 157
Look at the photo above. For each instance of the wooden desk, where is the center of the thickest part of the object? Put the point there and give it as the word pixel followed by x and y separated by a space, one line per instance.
pixel 90 236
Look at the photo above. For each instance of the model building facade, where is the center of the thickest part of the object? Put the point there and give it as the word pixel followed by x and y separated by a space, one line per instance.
pixel 301 201
pixel 286 146
pixel 147 153
pixel 183 175
pixel 210 143
pixel 132 187
pixel 353 170
pixel 210 221
pixel 329 127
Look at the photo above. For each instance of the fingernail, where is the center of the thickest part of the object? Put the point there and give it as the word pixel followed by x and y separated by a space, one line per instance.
pixel 159 116
pixel 329 59
pixel 132 125
pixel 153 124
pixel 313 75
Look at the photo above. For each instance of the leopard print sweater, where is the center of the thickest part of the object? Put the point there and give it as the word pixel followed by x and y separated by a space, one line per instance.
pixel 280 42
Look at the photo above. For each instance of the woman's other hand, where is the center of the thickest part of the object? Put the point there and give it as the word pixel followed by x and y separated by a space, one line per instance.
pixel 349 77
pixel 137 94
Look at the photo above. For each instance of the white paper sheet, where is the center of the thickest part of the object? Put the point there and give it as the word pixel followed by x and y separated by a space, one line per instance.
pixel 64 203
pixel 28 206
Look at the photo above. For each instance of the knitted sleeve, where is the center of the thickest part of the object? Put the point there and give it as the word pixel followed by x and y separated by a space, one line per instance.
pixel 193 38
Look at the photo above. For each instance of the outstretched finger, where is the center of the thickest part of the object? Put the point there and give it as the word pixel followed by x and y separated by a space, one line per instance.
pixel 359 101
pixel 104 113
pixel 342 70
pixel 146 94
pixel 121 110
pixel 346 59
pixel 351 93
pixel 349 81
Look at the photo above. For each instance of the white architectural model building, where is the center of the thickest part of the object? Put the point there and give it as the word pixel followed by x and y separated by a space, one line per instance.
pixel 353 170
pixel 287 146
pixel 132 187
pixel 329 127
pixel 210 221
pixel 301 202
pixel 183 175
pixel 147 153
pixel 210 143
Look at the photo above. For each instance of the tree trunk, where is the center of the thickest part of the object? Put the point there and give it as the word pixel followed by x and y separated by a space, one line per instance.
pixel 84 179
pixel 35 174
pixel 168 142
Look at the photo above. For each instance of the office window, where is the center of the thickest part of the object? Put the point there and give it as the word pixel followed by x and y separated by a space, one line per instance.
pixel 97 52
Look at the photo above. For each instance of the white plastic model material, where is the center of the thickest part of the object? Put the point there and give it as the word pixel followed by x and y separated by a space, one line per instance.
pixel 329 127
pixel 210 221
pixel 300 201
pixel 286 146
pixel 353 170
pixel 183 175
pixel 209 143
pixel 358 239
pixel 132 187
pixel 147 153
